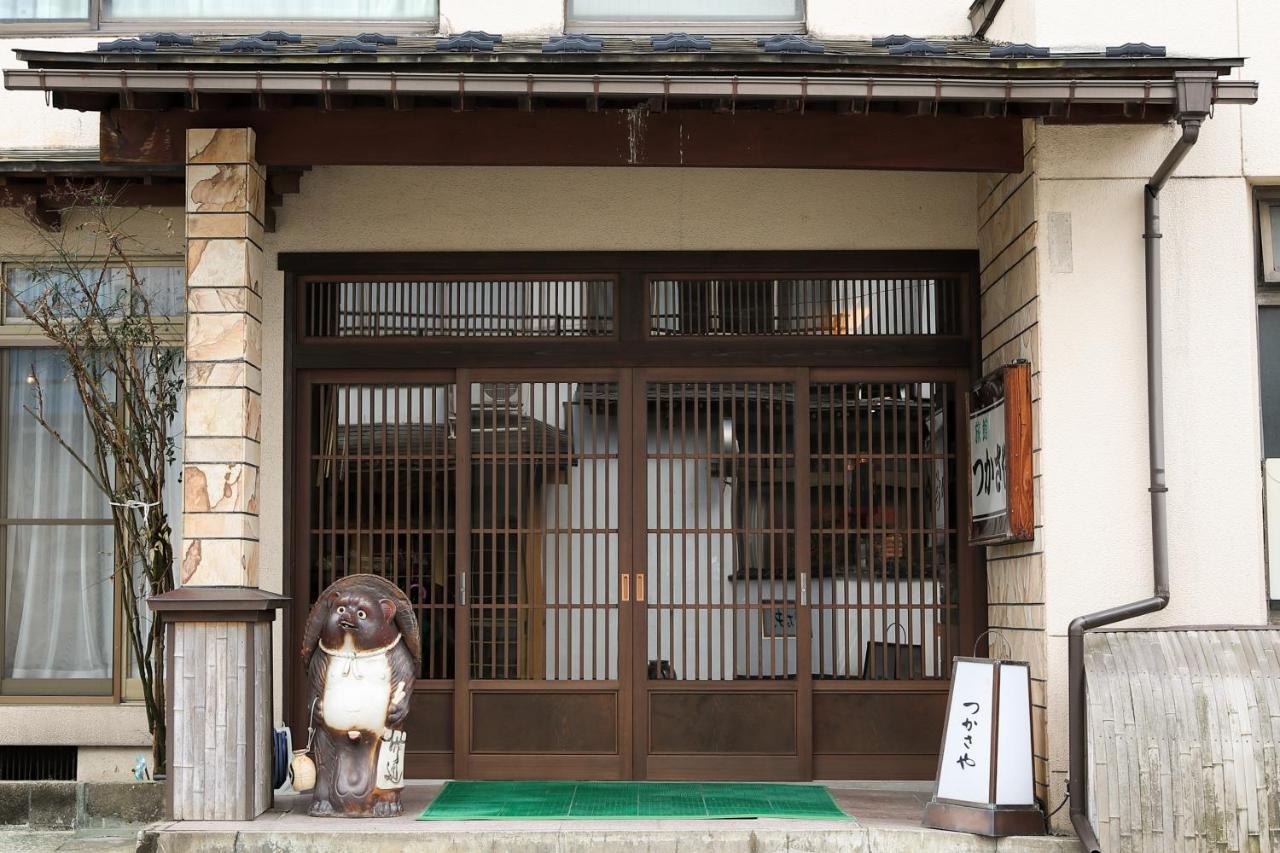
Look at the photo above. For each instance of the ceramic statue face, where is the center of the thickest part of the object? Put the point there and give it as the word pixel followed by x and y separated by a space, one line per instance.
pixel 356 616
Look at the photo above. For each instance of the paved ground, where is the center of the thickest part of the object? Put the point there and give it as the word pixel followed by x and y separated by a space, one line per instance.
pixel 887 820
pixel 19 841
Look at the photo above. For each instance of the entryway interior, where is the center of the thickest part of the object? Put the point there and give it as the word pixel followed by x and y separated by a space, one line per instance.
pixel 662 516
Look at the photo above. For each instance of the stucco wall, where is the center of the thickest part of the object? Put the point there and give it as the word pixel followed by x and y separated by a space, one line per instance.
pixel 1096 508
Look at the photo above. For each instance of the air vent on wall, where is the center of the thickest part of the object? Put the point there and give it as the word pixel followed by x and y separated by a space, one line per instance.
pixel 37 763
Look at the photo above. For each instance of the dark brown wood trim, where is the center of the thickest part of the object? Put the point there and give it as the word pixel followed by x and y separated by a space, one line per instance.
pixel 343 265
pixel 216 598
pixel 308 136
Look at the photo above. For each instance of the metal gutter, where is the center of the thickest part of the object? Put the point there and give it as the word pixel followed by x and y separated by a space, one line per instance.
pixel 1010 90
pixel 1193 106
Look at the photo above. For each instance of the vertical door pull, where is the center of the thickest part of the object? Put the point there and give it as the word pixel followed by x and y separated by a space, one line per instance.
pixel 639 586
pixel 626 587
pixel 804 589
pixel 462 590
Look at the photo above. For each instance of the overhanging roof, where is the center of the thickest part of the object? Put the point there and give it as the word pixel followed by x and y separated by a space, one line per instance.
pixel 622 102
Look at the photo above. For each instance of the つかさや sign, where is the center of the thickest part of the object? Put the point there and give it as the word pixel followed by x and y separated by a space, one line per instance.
pixel 1001 502
pixel 990 494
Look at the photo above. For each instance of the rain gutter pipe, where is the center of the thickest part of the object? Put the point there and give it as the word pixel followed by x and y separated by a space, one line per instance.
pixel 1195 93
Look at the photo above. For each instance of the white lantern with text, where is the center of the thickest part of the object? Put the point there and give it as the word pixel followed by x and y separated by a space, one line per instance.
pixel 986 779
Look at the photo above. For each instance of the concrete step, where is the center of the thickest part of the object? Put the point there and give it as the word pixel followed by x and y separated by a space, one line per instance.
pixel 729 836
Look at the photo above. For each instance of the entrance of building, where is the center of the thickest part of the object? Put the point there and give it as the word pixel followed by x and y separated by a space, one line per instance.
pixel 658 520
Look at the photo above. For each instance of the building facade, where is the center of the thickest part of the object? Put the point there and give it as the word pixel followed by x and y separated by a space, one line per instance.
pixel 644 372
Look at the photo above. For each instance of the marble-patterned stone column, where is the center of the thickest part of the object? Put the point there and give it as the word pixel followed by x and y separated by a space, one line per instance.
pixel 225 193
pixel 218 672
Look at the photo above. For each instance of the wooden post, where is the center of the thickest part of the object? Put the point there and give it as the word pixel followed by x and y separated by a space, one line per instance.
pixel 218 677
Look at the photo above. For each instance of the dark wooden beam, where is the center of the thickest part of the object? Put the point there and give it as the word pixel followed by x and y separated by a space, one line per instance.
pixel 571 137
pixel 69 192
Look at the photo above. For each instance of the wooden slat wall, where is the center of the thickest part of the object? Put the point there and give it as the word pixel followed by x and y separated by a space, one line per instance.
pixel 1184 738
pixel 1010 315
pixel 212 661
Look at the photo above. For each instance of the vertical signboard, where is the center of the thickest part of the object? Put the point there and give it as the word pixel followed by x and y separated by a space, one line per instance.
pixel 1001 494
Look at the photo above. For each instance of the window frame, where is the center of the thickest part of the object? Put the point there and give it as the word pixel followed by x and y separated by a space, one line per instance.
pixel 737 26
pixel 1268 205
pixel 119 687
pixel 99 23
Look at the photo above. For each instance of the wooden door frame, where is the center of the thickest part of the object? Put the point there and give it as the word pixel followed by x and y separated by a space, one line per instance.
pixel 882 356
pixel 544 765
pixel 803 683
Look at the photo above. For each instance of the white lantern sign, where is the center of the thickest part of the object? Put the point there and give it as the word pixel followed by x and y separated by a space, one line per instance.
pixel 985 774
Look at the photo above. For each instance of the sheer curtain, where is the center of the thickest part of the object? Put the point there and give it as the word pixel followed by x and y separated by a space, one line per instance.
pixel 44 10
pixel 685 10
pixel 286 10
pixel 58 589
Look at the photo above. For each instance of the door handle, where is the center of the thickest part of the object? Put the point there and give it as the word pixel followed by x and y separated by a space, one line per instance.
pixel 804 589
pixel 626 587
pixel 639 586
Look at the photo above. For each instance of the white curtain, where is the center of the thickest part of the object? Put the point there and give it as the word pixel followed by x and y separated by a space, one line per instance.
pixel 284 10
pixel 685 10
pixel 58 589
pixel 44 10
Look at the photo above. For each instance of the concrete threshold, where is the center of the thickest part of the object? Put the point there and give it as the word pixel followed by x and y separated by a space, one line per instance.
pixel 885 821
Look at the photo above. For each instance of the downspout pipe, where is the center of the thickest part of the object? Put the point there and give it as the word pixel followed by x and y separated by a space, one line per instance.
pixel 1194 98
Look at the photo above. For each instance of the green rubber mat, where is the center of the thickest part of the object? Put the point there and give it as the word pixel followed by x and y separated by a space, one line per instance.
pixel 630 801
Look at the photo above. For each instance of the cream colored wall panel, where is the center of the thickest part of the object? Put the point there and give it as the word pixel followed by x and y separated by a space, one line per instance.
pixel 1094 419
pixel 25 120
pixel 87 725
pixel 844 19
pixel 1188 27
pixel 1119 151
pixel 1259 26
pixel 522 18
pixel 1015 23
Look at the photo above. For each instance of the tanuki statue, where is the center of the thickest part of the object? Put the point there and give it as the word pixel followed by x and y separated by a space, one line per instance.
pixel 362 651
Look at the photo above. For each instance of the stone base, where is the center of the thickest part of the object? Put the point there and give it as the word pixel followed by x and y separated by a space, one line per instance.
pixel 991 821
pixel 69 806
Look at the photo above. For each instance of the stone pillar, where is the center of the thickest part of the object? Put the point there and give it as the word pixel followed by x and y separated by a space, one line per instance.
pixel 218 656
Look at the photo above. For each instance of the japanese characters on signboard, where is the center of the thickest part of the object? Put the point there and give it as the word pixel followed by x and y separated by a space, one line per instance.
pixel 990 495
pixel 1002 507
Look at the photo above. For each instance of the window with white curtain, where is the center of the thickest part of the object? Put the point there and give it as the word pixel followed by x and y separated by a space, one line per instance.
pixel 278 10
pixel 44 10
pixel 58 620
pixel 82 14
pixel 691 11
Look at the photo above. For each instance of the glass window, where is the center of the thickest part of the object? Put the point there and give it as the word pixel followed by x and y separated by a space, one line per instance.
pixel 57 620
pixel 281 10
pixel 163 287
pixel 710 11
pixel 58 589
pixel 44 10
pixel 1269 230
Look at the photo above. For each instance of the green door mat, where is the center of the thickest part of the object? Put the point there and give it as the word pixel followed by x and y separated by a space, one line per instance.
pixel 630 801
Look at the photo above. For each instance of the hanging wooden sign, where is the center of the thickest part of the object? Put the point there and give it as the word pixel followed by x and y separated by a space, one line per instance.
pixel 1001 492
